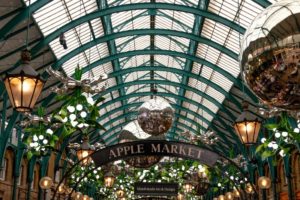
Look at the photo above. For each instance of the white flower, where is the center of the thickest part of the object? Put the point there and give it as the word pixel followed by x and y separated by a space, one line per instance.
pixel 275 146
pixel 41 137
pixel 74 123
pixel 35 144
pixel 80 125
pixel 274 129
pixel 219 185
pixel 45 141
pixel 79 107
pixel 286 140
pixel 71 109
pixel 263 140
pixel 83 114
pixel 270 145
pixel 31 144
pixel 231 177
pixel 86 125
pixel 97 176
pixel 281 153
pixel 284 133
pixel 90 100
pixel 35 138
pixel 297 130
pixel 72 117
pixel 298 123
pixel 277 135
pixel 64 120
pixel 49 131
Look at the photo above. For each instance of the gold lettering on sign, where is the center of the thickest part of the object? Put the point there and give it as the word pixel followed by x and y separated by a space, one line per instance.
pixel 174 149
pixel 112 154
pixel 140 148
pixel 165 149
pixel 155 148
pixel 120 151
pixel 126 150
pixel 199 154
pixel 190 152
pixel 182 150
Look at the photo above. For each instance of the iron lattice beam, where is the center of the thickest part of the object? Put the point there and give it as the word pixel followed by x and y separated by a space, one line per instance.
pixel 198 23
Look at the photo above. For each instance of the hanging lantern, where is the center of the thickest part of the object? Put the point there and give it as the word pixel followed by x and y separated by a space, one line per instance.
pixel 120 193
pixel 264 182
pixel 46 183
pixel 202 186
pixel 247 126
pixel 109 180
pixel 23 85
pixel 269 55
pixel 221 197
pixel 229 196
pixel 236 193
pixel 84 152
pixel 61 189
pixel 187 187
pixel 85 197
pixel 249 189
pixel 78 196
pixel 180 196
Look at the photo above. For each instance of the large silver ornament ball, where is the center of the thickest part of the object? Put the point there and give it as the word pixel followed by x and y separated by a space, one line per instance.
pixel 155 116
pixel 270 55
pixel 132 132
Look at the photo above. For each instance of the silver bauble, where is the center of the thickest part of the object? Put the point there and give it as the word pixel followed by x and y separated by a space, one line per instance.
pixel 270 55
pixel 155 116
pixel 132 132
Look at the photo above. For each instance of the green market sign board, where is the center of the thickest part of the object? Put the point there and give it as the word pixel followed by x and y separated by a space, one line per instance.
pixel 156 189
pixel 154 148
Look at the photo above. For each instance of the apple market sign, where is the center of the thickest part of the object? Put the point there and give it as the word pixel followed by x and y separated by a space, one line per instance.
pixel 154 148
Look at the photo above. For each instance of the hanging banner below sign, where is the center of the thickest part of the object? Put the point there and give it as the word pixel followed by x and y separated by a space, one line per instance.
pixel 156 189
pixel 154 148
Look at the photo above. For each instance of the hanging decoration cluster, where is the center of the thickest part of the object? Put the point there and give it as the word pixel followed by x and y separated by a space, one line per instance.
pixel 283 138
pixel 79 113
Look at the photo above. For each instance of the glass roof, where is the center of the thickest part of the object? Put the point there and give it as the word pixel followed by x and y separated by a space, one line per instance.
pixel 194 75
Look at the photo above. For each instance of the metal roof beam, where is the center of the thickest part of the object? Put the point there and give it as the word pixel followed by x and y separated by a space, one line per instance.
pixel 108 29
pixel 20 17
pixel 202 4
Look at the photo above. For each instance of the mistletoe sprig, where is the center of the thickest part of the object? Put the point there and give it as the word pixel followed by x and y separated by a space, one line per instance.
pixel 282 140
pixel 40 137
pixel 79 112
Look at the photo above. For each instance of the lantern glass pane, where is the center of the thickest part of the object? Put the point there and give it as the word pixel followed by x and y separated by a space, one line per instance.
pixel 247 131
pixel 23 91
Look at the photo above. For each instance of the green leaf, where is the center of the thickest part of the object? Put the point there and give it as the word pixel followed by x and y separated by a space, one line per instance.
pixel 29 155
pixel 271 126
pixel 259 148
pixel 266 154
pixel 78 73
pixel 99 100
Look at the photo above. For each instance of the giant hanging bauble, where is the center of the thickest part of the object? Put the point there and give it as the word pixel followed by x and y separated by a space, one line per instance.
pixel 132 132
pixel 155 116
pixel 270 55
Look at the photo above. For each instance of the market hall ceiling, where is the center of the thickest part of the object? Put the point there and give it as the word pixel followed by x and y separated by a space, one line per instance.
pixel 188 49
